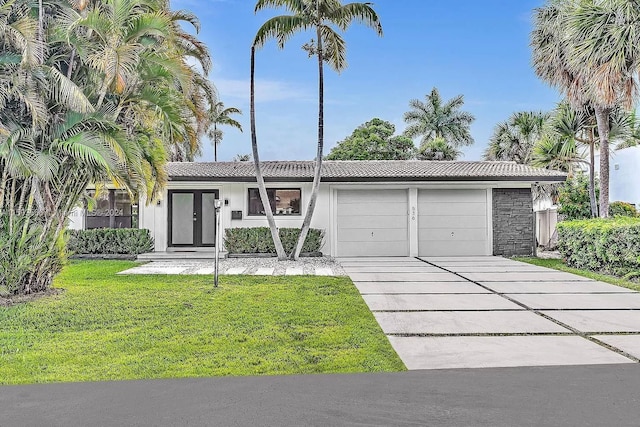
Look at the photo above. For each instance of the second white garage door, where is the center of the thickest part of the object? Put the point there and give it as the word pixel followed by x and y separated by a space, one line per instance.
pixel 372 223
pixel 452 223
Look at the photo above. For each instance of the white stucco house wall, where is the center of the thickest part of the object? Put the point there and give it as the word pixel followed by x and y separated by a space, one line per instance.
pixel 366 208
pixel 624 176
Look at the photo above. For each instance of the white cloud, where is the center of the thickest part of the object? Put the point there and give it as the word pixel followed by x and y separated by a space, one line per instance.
pixel 266 90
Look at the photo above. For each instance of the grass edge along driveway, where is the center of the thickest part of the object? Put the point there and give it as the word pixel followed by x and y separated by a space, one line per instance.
pixel 109 327
pixel 557 264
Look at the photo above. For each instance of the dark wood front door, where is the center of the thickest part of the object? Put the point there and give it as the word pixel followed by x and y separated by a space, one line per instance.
pixel 192 218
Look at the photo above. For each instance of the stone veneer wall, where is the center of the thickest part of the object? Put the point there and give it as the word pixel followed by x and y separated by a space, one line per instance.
pixel 513 232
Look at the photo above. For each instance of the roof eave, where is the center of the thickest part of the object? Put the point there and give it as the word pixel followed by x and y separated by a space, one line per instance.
pixel 532 179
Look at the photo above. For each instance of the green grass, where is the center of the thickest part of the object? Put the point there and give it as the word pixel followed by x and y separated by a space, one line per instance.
pixel 559 265
pixel 108 327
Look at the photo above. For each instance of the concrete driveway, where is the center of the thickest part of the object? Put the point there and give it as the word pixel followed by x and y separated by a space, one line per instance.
pixel 477 312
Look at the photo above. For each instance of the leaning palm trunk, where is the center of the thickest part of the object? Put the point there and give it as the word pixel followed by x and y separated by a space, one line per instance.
pixel 602 118
pixel 266 204
pixel 295 254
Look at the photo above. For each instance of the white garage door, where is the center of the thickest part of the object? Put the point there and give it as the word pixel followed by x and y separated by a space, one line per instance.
pixel 452 223
pixel 372 223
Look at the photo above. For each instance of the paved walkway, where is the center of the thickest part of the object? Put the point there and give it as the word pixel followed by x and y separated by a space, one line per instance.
pixel 472 312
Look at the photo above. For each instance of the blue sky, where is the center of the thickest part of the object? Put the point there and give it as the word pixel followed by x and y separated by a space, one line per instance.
pixel 479 49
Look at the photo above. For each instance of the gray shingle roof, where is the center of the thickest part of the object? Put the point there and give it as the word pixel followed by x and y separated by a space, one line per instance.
pixel 362 171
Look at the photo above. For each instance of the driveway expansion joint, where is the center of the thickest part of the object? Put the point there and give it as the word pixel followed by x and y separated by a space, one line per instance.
pixel 575 331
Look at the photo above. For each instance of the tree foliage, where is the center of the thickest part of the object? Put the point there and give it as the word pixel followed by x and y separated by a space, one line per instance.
pixel 590 51
pixel 513 140
pixel 436 118
pixel 438 149
pixel 573 198
pixel 90 91
pixel 220 116
pixel 374 140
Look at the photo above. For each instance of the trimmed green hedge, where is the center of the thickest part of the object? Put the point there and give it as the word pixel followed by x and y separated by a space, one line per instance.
pixel 606 245
pixel 257 240
pixel 130 241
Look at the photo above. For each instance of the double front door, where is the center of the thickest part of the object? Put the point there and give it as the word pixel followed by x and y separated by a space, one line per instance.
pixel 192 218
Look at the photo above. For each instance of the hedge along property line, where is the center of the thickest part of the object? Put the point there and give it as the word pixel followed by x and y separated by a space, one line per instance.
pixel 257 240
pixel 610 246
pixel 122 241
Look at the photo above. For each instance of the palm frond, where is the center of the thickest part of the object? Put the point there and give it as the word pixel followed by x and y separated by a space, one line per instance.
pixel 281 28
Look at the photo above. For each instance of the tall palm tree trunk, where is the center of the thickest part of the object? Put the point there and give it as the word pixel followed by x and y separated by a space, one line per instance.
pixel 592 176
pixel 602 119
pixel 215 142
pixel 266 204
pixel 295 254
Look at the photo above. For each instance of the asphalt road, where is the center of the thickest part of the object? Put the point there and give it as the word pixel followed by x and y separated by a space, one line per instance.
pixel 602 395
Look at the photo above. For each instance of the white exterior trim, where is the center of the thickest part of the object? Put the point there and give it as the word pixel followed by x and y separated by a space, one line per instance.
pixel 154 217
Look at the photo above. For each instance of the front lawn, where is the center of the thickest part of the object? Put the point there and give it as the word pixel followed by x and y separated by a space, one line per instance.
pixel 108 327
pixel 557 264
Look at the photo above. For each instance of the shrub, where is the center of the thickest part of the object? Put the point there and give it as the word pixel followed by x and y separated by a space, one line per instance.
pixel 30 254
pixel 606 245
pixel 573 198
pixel 622 209
pixel 130 241
pixel 258 240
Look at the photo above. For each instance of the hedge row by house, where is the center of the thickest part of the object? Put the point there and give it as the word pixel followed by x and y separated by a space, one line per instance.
pixel 130 241
pixel 606 245
pixel 257 240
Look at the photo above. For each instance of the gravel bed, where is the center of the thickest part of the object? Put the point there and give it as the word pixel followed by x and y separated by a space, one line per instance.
pixel 308 265
pixel 250 265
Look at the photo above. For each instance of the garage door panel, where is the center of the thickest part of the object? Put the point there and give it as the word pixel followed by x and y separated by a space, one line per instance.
pixel 452 223
pixel 441 196
pixel 372 209
pixel 369 235
pixel 372 221
pixel 373 249
pixel 466 209
pixel 377 196
pixel 444 248
pixel 459 235
pixel 460 222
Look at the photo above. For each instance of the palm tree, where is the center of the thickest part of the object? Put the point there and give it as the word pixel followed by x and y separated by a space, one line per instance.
pixel 437 119
pixel 262 189
pixel 590 50
pixel 437 149
pixel 242 158
pixel 218 115
pixel 513 140
pixel 58 133
pixel 323 17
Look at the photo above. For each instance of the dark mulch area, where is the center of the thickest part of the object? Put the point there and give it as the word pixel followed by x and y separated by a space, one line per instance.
pixel 9 300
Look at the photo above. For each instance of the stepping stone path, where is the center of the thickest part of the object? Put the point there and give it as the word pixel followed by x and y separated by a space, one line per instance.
pixel 324 271
pixel 264 271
